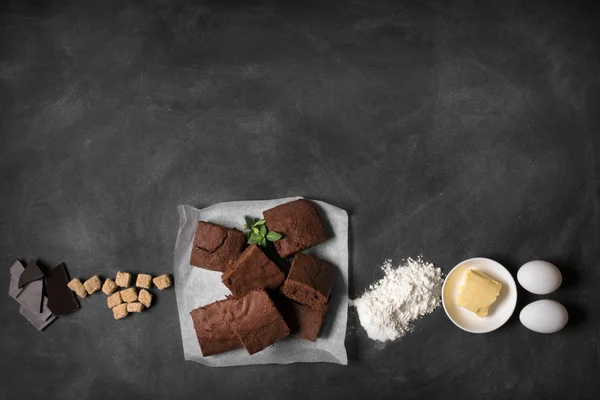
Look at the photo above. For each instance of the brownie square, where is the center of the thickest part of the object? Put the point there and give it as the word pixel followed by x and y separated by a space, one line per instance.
pixel 215 246
pixel 250 271
pixel 214 333
pixel 256 321
pixel 309 281
pixel 304 322
pixel 299 223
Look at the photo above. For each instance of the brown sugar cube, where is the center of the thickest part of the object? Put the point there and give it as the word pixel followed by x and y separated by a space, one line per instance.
pixel 120 311
pixel 93 284
pixel 162 282
pixel 144 281
pixel 76 286
pixel 135 307
pixel 114 300
pixel 129 295
pixel 109 286
pixel 123 279
pixel 145 297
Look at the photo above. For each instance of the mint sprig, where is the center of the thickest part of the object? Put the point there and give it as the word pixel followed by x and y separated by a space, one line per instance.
pixel 257 232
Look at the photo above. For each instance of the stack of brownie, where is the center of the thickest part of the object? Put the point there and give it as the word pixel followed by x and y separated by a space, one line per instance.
pixel 265 306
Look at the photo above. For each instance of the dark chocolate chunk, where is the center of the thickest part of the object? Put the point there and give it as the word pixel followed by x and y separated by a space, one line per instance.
pixel 32 273
pixel 215 246
pixel 16 269
pixel 214 333
pixel 299 223
pixel 61 299
pixel 35 320
pixel 31 297
pixel 252 270
pixel 256 321
pixel 309 281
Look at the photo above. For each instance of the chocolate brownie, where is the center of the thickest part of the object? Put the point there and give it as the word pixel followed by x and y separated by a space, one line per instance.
pixel 215 335
pixel 252 270
pixel 309 281
pixel 304 322
pixel 256 321
pixel 215 246
pixel 299 223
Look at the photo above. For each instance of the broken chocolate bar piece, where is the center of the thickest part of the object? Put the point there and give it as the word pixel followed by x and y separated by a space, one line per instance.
pixel 16 269
pixel 31 297
pixel 252 270
pixel 256 321
pixel 61 299
pixel 32 273
pixel 299 223
pixel 215 334
pixel 309 281
pixel 216 246
pixel 35 320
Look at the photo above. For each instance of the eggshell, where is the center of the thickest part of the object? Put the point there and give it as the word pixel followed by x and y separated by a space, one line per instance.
pixel 539 277
pixel 544 316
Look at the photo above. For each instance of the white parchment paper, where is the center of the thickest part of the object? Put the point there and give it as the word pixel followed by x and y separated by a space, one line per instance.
pixel 196 287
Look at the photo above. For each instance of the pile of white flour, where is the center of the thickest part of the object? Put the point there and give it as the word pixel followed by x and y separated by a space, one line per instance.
pixel 407 292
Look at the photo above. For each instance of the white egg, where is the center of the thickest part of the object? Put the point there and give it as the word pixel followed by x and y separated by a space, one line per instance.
pixel 539 277
pixel 544 316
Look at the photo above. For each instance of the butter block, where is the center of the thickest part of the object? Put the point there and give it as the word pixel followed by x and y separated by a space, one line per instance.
pixel 478 293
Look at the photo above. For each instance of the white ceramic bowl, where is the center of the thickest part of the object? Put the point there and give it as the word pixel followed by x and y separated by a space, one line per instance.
pixel 499 312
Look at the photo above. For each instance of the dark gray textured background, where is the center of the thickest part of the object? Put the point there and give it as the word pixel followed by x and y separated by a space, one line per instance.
pixel 448 130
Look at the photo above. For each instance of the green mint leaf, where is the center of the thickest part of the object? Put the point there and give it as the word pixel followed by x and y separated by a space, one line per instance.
pixel 273 236
pixel 263 230
pixel 255 239
pixel 259 222
pixel 256 230
pixel 263 243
